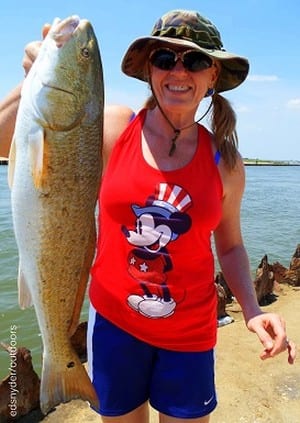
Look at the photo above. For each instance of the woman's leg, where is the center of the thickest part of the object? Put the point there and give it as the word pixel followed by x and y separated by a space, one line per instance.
pixel 163 418
pixel 139 415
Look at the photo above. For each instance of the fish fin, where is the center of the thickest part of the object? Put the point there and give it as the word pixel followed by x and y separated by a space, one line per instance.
pixel 25 299
pixel 5 347
pixel 81 290
pixel 11 163
pixel 62 385
pixel 37 154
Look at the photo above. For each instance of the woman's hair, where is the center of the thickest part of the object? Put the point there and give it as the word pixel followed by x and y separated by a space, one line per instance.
pixel 150 103
pixel 223 127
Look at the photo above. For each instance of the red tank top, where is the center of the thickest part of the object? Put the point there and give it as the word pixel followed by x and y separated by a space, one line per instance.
pixel 154 271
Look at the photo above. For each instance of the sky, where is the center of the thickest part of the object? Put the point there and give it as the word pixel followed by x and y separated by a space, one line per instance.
pixel 267 32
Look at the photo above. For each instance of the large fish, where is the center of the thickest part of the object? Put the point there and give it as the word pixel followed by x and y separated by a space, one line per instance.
pixel 54 173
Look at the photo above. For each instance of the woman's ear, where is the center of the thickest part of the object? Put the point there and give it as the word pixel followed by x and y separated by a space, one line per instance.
pixel 215 72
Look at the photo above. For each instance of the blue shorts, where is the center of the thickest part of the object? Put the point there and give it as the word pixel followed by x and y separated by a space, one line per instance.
pixel 126 372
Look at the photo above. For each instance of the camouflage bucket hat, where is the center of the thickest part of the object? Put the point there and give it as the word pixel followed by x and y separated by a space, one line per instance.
pixel 182 28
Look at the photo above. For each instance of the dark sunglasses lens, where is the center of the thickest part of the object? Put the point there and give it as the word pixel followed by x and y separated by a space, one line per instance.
pixel 163 59
pixel 195 61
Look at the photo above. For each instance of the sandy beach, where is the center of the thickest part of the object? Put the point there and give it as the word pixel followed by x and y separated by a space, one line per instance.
pixel 249 390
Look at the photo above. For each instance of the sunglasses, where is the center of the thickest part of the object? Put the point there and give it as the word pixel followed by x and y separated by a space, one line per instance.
pixel 193 61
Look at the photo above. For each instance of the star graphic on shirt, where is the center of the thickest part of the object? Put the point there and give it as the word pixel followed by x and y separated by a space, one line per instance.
pixel 143 267
pixel 132 260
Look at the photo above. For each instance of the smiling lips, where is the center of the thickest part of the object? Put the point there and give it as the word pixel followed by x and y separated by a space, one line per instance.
pixel 178 88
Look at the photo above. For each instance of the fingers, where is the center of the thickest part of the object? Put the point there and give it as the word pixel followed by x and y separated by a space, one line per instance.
pixel 271 330
pixel 32 49
pixel 45 30
pixel 31 52
pixel 287 345
pixel 292 351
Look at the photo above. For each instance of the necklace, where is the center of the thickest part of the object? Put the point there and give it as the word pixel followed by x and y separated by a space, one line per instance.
pixel 177 131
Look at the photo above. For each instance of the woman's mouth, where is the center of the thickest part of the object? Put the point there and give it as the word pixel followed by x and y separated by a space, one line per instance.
pixel 178 88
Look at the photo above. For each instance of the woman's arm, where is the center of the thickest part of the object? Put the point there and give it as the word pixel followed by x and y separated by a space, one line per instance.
pixel 230 248
pixel 116 119
pixel 9 105
pixel 8 111
pixel 234 262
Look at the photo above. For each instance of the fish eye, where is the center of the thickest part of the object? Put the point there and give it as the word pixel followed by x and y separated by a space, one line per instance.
pixel 85 52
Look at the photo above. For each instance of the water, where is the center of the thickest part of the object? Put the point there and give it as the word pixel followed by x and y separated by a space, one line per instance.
pixel 271 213
pixel 270 224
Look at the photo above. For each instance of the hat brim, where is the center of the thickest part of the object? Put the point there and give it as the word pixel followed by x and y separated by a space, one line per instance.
pixel 234 68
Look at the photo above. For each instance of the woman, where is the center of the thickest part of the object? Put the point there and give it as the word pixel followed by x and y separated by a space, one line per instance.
pixel 168 184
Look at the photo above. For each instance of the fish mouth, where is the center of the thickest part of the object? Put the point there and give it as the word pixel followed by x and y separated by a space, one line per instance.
pixel 55 94
pixel 63 30
pixel 56 88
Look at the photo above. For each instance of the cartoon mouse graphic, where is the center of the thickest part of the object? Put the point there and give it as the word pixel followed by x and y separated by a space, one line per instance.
pixel 161 221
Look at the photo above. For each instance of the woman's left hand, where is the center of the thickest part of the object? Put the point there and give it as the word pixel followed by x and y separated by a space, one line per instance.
pixel 270 329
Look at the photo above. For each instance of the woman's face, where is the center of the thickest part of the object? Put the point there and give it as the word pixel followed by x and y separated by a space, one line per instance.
pixel 180 89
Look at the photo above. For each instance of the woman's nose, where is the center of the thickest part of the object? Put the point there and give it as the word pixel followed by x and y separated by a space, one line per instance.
pixel 179 66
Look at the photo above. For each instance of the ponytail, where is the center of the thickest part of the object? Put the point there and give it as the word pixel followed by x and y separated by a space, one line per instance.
pixel 223 125
pixel 150 103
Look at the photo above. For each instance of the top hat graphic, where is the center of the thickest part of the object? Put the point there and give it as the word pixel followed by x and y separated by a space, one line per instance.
pixel 168 199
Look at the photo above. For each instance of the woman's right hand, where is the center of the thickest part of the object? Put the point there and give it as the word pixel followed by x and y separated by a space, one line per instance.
pixel 32 49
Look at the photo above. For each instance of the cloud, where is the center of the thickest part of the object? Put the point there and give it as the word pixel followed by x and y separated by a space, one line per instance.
pixel 242 109
pixel 263 78
pixel 294 103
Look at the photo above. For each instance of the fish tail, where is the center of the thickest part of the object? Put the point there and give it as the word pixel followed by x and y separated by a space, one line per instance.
pixel 63 385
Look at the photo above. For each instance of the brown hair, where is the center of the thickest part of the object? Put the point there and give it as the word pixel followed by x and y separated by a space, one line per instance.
pixel 223 126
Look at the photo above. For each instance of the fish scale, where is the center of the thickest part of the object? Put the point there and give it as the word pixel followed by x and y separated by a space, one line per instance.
pixel 55 167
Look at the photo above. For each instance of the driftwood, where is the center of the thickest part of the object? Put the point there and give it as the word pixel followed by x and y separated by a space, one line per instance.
pixel 279 272
pixel 221 307
pixel 291 275
pixel 224 297
pixel 267 280
pixel 220 280
pixel 264 283
pixel 267 276
pixel 294 271
pixel 78 341
pixel 19 391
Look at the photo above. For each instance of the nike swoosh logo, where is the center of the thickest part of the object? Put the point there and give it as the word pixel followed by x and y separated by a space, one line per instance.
pixel 209 401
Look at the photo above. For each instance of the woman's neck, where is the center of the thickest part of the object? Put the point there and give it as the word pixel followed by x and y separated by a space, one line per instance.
pixel 157 142
pixel 171 120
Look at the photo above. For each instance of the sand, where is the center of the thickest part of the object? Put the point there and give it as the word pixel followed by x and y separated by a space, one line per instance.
pixel 255 391
pixel 249 390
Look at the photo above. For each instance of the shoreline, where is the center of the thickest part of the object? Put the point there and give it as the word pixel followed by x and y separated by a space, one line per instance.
pixel 271 164
pixel 4 162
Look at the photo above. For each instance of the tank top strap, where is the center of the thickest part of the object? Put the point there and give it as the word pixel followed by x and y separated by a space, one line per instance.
pixel 217 157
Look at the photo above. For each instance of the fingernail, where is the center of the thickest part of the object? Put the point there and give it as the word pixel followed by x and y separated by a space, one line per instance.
pixel 269 345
